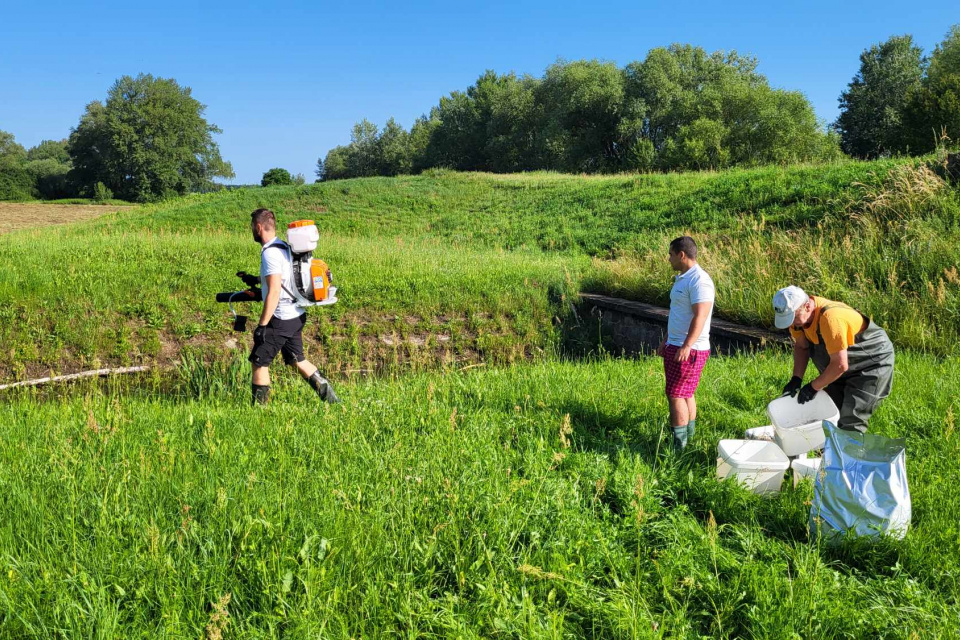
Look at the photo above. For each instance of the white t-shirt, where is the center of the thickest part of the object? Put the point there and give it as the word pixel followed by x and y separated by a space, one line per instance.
pixel 689 288
pixel 275 259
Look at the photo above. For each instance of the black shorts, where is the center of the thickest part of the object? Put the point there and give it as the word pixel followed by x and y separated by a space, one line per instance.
pixel 284 336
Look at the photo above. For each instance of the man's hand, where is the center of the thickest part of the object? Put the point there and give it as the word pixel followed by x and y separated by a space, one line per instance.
pixel 249 280
pixel 807 392
pixel 683 354
pixel 793 386
pixel 662 348
pixel 259 334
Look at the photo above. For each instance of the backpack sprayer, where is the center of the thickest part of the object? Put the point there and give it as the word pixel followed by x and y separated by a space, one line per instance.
pixel 312 282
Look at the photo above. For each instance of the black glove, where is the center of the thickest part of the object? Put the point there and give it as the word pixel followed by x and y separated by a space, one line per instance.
pixel 793 386
pixel 249 280
pixel 259 333
pixel 806 393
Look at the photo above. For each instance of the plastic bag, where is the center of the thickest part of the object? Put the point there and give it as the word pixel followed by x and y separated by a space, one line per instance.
pixel 861 486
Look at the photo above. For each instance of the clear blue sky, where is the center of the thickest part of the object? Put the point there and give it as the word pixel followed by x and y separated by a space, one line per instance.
pixel 285 81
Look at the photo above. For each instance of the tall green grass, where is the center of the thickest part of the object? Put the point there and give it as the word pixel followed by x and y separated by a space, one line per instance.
pixel 530 501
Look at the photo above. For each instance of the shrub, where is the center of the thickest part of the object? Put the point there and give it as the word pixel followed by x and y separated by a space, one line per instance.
pixel 276 176
pixel 101 193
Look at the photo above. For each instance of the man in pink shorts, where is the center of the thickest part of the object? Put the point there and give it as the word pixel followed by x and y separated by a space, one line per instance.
pixel 687 345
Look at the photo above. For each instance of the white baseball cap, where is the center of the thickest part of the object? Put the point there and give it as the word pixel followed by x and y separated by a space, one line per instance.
pixel 785 305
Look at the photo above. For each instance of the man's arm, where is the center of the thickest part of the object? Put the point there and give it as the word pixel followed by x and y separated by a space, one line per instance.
pixel 801 356
pixel 837 367
pixel 270 303
pixel 701 310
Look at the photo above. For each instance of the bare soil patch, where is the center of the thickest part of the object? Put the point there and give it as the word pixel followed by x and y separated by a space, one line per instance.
pixel 24 215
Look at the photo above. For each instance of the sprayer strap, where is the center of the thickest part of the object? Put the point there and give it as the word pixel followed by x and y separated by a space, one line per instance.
pixel 280 244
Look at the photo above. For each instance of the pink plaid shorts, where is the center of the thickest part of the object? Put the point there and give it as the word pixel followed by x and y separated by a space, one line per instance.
pixel 683 377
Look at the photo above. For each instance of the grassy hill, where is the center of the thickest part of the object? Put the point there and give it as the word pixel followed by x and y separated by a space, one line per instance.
pixel 454 268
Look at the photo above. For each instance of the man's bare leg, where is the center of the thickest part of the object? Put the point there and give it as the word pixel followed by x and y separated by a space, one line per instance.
pixel 691 417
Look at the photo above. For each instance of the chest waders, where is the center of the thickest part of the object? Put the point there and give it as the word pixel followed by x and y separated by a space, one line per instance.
pixel 869 378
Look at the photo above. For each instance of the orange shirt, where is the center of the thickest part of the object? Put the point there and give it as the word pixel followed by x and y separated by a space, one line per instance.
pixel 839 326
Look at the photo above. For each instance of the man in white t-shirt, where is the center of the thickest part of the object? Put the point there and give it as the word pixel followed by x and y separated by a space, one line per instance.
pixel 687 346
pixel 280 329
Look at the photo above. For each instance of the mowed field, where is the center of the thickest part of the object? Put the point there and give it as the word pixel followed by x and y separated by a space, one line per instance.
pixel 25 215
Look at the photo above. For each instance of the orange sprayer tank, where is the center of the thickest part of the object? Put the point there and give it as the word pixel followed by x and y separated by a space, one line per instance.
pixel 321 277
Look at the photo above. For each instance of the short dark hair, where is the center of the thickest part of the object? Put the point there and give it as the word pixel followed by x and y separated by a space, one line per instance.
pixel 685 244
pixel 265 218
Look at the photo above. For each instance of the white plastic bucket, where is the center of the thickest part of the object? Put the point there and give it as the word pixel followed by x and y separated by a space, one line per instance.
pixel 799 427
pixel 755 464
pixel 760 433
pixel 303 238
pixel 805 468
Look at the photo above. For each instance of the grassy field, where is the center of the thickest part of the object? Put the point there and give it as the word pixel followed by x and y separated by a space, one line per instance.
pixel 523 502
pixel 485 484
pixel 882 236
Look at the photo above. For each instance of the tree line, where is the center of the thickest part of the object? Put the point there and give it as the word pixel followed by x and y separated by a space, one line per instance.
pixel 678 109
pixel 900 101
pixel 147 141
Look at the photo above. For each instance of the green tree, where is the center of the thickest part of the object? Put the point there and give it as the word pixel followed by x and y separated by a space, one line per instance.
pixel 148 140
pixel 16 183
pixel 363 157
pixel 583 104
pixel 935 106
pixel 507 105
pixel 394 150
pixel 50 178
pixel 334 165
pixel 49 165
pixel 276 176
pixel 419 143
pixel 50 150
pixel 457 136
pixel 10 148
pixel 871 121
pixel 714 110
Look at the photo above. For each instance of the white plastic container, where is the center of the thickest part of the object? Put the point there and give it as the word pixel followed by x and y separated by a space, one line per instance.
pixel 805 468
pixel 302 236
pixel 799 427
pixel 760 433
pixel 756 464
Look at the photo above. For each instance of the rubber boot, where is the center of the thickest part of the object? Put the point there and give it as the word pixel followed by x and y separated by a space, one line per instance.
pixel 323 388
pixel 679 437
pixel 261 393
pixel 691 429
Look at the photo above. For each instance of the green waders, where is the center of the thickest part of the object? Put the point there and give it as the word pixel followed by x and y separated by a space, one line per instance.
pixel 868 379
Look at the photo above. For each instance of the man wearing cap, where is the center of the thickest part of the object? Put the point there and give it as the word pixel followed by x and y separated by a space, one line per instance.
pixel 687 345
pixel 853 355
